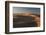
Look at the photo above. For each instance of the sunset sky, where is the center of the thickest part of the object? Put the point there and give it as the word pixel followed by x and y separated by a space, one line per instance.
pixel 26 10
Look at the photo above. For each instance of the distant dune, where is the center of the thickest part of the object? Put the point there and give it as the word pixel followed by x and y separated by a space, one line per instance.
pixel 24 14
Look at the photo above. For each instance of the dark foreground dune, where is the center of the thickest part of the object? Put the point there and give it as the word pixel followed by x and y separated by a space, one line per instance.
pixel 24 21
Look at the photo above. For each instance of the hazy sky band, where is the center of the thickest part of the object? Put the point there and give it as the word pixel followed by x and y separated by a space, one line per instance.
pixel 26 10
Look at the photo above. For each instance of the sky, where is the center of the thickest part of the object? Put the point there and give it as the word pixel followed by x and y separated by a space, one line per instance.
pixel 26 10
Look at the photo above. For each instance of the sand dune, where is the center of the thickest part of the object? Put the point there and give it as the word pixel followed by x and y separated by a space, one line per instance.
pixel 34 17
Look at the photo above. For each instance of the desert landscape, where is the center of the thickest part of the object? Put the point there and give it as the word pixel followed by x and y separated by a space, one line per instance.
pixel 26 20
